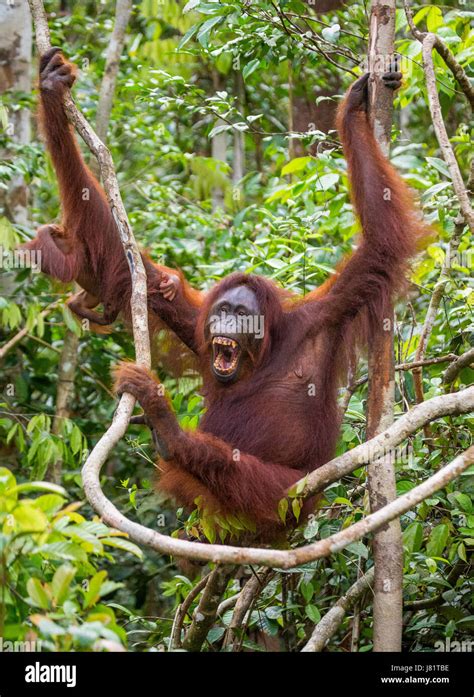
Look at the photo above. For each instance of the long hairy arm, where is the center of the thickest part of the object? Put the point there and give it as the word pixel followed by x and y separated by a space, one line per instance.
pixel 391 226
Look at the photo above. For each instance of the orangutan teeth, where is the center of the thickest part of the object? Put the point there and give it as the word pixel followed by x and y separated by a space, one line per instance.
pixel 224 341
pixel 226 354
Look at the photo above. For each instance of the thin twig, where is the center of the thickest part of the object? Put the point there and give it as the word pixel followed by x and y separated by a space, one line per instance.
pixel 330 623
pixel 182 611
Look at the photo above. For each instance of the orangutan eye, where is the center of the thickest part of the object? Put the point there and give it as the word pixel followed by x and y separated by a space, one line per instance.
pixel 241 312
pixel 224 308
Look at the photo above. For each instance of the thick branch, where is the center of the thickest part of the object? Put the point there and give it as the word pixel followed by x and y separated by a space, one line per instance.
pixel 456 69
pixel 430 318
pixel 138 300
pixel 407 424
pixel 64 394
pixel 25 331
pixel 387 545
pixel 139 288
pixel 330 623
pixel 182 611
pixel 205 614
pixel 452 371
pixel 429 42
pixel 289 558
pixel 246 598
pixel 123 10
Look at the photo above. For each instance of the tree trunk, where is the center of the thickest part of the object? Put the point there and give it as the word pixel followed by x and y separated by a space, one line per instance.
pixel 123 11
pixel 238 168
pixel 387 545
pixel 15 74
pixel 218 151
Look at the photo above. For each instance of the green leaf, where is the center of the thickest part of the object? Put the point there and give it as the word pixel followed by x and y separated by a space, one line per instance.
pixel 437 540
pixel 42 486
pixel 326 182
pixel 464 502
pixel 206 28
pixel 37 593
pixel 7 482
pixel 50 503
pixel 440 165
pixel 307 590
pixel 250 67
pixel 434 18
pixel 295 165
pixel 71 323
pixel 188 36
pixel 312 613
pixel 209 529
pixel 190 5
pixel 296 508
pixel 93 592
pixel 283 509
pixel 120 543
pixel 75 441
pixel 413 537
pixel 28 518
pixel 61 581
pixel 358 548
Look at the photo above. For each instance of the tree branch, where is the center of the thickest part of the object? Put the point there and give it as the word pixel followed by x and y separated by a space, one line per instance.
pixel 206 611
pixel 429 42
pixel 456 69
pixel 138 302
pixel 329 624
pixel 246 598
pixel 452 371
pixel 123 10
pixel 407 424
pixel 182 611
pixel 25 331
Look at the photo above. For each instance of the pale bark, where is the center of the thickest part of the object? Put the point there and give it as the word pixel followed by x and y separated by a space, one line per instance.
pixel 455 403
pixel 238 165
pixel 451 373
pixel 330 623
pixel 387 543
pixel 218 151
pixel 443 50
pixel 11 343
pixel 64 394
pixel 123 10
pixel 246 598
pixel 15 74
pixel 139 306
pixel 182 611
pixel 205 614
pixel 430 318
pixel 69 354
pixel 447 152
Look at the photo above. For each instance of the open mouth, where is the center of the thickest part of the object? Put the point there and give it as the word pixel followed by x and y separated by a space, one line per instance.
pixel 226 354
